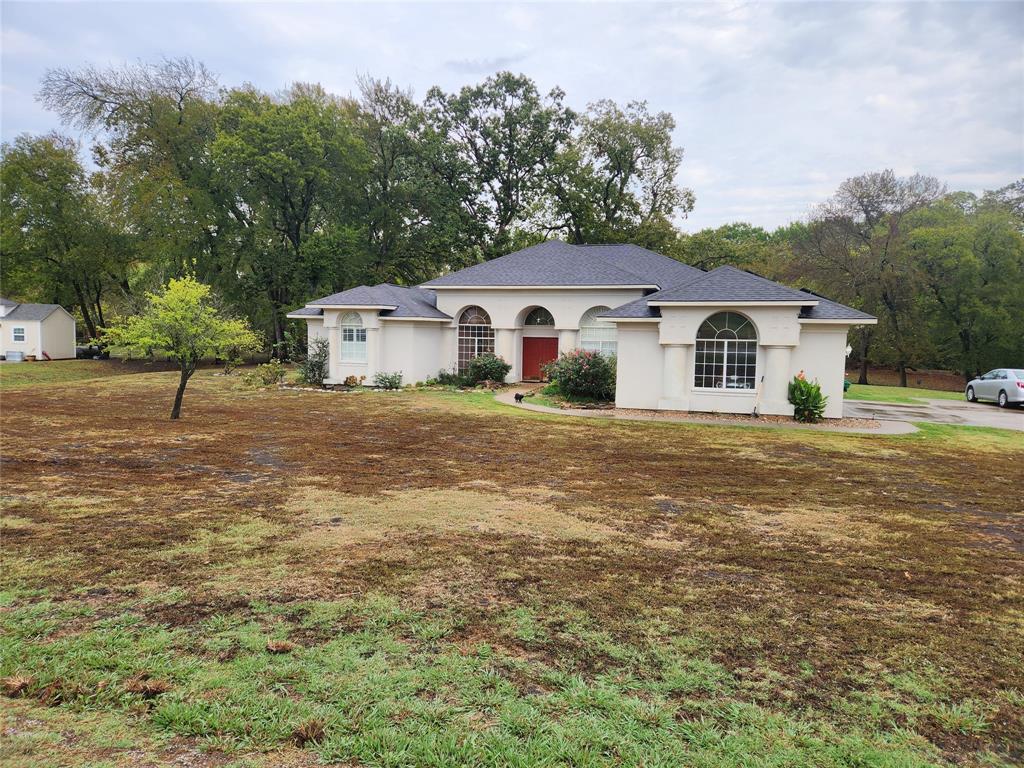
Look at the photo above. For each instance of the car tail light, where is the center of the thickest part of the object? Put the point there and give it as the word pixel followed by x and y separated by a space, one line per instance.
pixel 1020 385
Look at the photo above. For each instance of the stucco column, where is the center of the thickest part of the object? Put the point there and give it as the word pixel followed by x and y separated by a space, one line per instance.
pixel 334 354
pixel 777 374
pixel 674 392
pixel 373 354
pixel 566 340
pixel 505 348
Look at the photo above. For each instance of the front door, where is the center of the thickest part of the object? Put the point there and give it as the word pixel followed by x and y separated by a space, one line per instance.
pixel 537 352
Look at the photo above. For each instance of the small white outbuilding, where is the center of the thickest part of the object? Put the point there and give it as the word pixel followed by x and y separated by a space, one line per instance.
pixel 36 330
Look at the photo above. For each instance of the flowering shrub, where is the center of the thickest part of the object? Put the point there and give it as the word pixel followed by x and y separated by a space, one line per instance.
pixel 487 367
pixel 583 373
pixel 808 402
pixel 354 381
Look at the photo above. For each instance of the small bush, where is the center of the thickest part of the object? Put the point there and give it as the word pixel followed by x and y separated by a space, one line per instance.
pixel 808 402
pixel 354 381
pixel 388 380
pixel 266 375
pixel 450 378
pixel 583 373
pixel 313 370
pixel 487 367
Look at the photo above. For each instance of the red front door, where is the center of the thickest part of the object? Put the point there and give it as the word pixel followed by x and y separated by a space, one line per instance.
pixel 536 353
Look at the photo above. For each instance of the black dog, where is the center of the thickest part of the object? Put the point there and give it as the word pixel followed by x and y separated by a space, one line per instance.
pixel 520 396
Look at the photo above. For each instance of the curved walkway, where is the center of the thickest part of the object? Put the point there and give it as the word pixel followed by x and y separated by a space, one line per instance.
pixel 887 427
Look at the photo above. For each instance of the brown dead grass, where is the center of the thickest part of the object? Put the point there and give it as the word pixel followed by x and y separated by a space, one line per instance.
pixel 837 550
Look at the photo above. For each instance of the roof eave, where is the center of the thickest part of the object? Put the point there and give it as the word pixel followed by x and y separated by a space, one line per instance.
pixel 387 307
pixel 536 287
pixel 787 303
pixel 839 321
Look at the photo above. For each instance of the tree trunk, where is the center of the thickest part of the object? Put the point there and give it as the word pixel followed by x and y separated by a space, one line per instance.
pixel 863 339
pixel 903 374
pixel 186 372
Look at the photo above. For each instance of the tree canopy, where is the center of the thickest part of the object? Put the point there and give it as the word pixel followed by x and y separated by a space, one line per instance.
pixel 272 199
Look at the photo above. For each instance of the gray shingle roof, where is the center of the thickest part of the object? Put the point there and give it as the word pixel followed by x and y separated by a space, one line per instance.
pixel 831 310
pixel 30 312
pixel 557 263
pixel 395 301
pixel 7 302
pixel 633 310
pixel 728 283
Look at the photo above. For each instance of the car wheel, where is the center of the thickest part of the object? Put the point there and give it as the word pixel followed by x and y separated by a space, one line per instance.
pixel 1002 399
pixel 970 395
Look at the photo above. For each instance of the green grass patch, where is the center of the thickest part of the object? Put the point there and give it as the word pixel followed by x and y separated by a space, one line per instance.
pixel 908 395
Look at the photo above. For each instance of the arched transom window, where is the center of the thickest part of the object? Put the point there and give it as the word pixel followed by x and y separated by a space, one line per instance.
pixel 597 335
pixel 539 316
pixel 353 338
pixel 726 353
pixel 476 336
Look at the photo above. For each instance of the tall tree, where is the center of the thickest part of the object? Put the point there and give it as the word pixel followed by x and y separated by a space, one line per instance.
pixel 492 145
pixel 616 180
pixel 296 163
pixel 56 242
pixel 857 240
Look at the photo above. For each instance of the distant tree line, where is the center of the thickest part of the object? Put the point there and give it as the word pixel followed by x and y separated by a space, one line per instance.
pixel 273 199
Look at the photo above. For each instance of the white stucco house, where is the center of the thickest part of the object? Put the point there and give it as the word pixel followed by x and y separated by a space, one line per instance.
pixel 725 340
pixel 40 330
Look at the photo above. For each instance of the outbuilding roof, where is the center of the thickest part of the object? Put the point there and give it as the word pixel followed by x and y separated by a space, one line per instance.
pixel 28 312
pixel 555 263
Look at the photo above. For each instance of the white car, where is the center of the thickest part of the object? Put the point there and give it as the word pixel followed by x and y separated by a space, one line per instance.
pixel 1004 385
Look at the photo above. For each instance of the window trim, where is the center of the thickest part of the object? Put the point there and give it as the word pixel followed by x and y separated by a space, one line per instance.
pixel 599 325
pixel 721 370
pixel 357 343
pixel 482 341
pixel 14 334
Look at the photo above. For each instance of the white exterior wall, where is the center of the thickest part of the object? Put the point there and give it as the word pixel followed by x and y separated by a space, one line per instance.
pixel 656 362
pixel 30 346
pixel 55 335
pixel 412 348
pixel 58 336
pixel 638 366
pixel 507 308
pixel 822 356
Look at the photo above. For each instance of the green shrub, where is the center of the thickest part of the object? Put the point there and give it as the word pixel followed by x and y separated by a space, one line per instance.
pixel 313 370
pixel 808 402
pixel 388 380
pixel 448 378
pixel 266 375
pixel 487 367
pixel 583 373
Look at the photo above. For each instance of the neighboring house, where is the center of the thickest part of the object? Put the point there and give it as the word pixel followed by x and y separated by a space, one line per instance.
pixel 40 330
pixel 724 340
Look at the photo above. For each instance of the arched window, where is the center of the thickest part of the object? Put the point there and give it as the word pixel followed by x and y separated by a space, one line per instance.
pixel 476 337
pixel 726 353
pixel 539 316
pixel 597 335
pixel 353 338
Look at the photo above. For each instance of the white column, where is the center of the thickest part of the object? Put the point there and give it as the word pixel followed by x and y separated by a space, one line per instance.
pixel 334 359
pixel 566 340
pixel 505 348
pixel 775 386
pixel 674 392
pixel 373 353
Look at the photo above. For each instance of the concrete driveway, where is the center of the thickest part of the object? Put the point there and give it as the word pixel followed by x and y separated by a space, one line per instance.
pixel 938 412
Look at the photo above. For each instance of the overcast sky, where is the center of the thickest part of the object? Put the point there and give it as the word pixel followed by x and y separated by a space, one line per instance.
pixel 775 104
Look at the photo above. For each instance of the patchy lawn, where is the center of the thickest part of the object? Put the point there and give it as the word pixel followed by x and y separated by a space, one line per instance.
pixel 45 373
pixel 887 394
pixel 431 579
